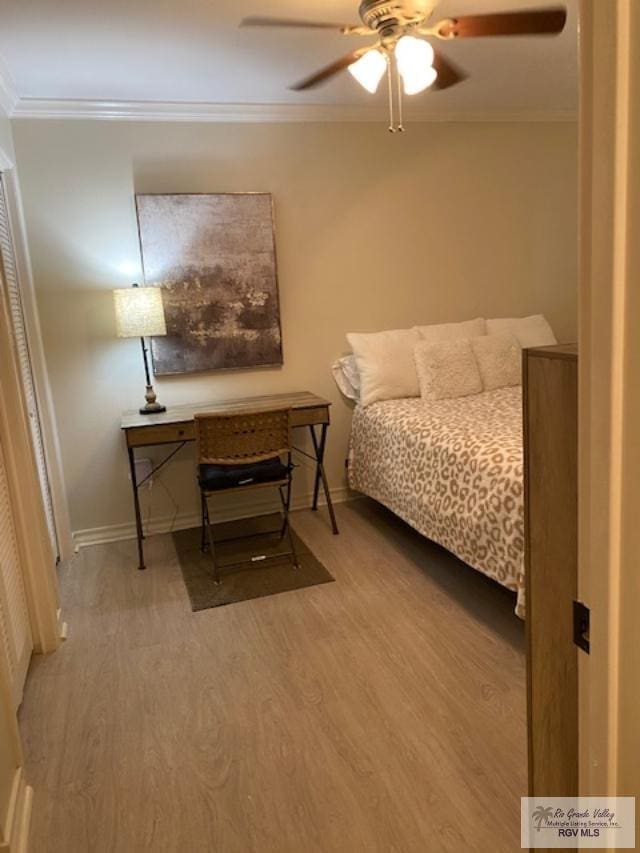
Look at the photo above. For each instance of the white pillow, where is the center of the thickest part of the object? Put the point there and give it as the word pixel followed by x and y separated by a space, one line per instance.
pixel 350 368
pixel 385 364
pixel 532 331
pixel 499 359
pixel 446 370
pixel 453 331
pixel 347 378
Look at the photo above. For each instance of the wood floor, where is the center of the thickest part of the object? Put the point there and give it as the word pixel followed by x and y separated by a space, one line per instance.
pixel 383 712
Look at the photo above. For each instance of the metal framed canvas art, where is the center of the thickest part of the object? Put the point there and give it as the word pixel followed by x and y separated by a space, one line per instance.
pixel 214 257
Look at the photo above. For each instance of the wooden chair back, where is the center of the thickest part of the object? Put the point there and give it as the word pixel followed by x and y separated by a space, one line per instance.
pixel 237 439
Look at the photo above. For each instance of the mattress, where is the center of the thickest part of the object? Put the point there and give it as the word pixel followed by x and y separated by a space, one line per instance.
pixel 453 470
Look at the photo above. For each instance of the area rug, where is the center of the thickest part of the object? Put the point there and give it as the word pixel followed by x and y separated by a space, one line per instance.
pixel 269 577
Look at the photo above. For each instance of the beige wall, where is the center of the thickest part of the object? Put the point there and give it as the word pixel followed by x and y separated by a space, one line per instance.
pixel 6 138
pixel 446 222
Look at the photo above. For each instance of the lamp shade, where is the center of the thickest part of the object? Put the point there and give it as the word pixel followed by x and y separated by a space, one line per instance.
pixel 139 312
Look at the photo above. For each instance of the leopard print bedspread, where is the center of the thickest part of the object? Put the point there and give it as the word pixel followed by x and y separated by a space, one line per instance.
pixel 453 470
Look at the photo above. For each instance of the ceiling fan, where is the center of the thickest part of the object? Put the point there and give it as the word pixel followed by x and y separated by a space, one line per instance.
pixel 401 49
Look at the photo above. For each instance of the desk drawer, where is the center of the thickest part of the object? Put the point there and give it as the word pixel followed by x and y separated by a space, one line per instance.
pixel 160 434
pixel 304 417
pixel 144 436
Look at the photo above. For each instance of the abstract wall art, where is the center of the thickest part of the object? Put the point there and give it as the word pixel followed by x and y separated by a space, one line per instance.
pixel 214 258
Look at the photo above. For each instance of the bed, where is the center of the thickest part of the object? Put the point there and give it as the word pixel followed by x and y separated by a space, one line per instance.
pixel 453 470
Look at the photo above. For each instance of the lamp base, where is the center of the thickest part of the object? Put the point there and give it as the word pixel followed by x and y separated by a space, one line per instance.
pixel 152 407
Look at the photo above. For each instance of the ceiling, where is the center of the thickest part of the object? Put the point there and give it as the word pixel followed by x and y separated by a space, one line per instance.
pixel 192 51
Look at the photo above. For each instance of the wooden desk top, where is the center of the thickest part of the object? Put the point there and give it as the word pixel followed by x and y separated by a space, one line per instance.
pixel 183 414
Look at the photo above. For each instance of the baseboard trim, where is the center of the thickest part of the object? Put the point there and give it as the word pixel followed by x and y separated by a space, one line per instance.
pixel 19 814
pixel 167 524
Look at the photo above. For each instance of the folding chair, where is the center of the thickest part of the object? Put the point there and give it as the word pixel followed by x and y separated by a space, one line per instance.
pixel 241 453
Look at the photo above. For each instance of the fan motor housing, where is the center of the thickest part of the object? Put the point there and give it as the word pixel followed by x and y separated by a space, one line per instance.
pixel 388 16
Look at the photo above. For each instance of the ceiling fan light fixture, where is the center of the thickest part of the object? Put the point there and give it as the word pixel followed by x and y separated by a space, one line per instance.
pixel 419 80
pixel 369 70
pixel 415 58
pixel 413 53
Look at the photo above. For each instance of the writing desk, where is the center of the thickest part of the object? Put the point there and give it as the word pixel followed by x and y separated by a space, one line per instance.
pixel 176 426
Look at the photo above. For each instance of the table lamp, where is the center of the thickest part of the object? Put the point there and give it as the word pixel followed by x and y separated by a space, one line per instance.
pixel 140 314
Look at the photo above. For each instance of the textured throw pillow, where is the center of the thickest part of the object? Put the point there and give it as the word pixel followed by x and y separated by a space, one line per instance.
pixel 532 331
pixel 446 369
pixel 385 364
pixel 453 331
pixel 499 359
pixel 347 378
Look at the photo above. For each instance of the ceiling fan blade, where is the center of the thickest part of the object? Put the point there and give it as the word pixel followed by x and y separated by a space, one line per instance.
pixel 534 22
pixel 258 21
pixel 329 71
pixel 448 73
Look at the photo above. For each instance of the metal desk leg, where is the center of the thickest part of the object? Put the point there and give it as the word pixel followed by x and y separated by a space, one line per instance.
pixel 136 505
pixel 319 448
pixel 316 482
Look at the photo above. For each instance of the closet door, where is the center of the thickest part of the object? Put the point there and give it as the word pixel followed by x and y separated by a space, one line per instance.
pixel 15 634
pixel 10 283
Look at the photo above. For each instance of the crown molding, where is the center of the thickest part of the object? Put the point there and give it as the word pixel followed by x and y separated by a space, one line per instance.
pixel 47 108
pixel 8 95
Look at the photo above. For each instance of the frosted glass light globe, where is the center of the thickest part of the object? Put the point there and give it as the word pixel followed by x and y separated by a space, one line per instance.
pixel 412 53
pixel 418 81
pixel 369 69
pixel 415 63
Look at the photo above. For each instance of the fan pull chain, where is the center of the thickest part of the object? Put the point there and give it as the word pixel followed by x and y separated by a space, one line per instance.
pixel 392 128
pixel 391 68
pixel 400 126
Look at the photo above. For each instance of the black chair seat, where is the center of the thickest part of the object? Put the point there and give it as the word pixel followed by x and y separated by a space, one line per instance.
pixel 213 478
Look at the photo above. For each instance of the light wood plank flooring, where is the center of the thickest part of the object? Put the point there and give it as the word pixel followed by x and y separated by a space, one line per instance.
pixel 384 712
